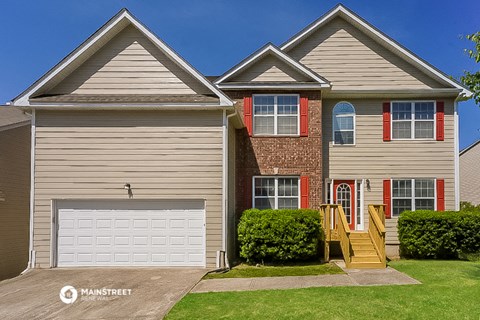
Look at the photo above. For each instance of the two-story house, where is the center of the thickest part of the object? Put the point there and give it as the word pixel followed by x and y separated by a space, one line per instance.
pixel 140 160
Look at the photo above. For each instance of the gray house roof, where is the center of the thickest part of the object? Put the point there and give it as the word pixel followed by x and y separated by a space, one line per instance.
pixel 12 117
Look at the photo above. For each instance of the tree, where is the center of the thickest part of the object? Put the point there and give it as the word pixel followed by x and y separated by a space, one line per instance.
pixel 472 80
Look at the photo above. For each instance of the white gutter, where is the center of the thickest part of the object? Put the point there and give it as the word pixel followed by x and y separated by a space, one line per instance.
pixel 456 154
pixel 31 252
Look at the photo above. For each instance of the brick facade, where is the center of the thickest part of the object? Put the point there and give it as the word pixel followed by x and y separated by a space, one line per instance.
pixel 300 156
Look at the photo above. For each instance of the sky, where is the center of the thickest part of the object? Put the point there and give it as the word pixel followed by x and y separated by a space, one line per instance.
pixel 214 35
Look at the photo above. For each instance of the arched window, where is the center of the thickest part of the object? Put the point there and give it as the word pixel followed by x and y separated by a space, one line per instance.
pixel 343 198
pixel 343 123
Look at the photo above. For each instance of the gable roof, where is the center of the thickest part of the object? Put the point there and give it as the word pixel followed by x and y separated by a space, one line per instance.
pixel 379 37
pixel 473 145
pixel 270 49
pixel 117 23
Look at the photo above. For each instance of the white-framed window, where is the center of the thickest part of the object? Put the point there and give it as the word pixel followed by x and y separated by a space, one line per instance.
pixel 413 120
pixel 412 194
pixel 343 124
pixel 276 114
pixel 276 192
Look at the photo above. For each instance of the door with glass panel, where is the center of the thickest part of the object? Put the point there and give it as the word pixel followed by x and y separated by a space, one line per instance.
pixel 344 194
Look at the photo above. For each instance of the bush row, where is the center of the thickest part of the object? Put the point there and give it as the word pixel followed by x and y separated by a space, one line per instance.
pixel 438 235
pixel 279 235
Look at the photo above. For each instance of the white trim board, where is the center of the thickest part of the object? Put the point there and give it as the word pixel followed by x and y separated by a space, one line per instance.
pixel 378 36
pixel 115 25
pixel 267 49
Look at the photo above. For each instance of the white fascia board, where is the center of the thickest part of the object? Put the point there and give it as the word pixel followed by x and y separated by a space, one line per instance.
pixel 279 54
pixel 369 28
pixel 273 86
pixel 23 99
pixel 391 93
pixel 313 26
pixel 98 106
pixel 224 100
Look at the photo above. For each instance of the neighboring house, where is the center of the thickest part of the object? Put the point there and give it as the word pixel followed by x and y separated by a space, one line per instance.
pixel 14 191
pixel 470 174
pixel 140 160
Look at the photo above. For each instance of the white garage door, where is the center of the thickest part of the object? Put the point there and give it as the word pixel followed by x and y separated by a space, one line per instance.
pixel 131 233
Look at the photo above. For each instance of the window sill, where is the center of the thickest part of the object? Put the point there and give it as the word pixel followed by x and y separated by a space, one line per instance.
pixel 426 139
pixel 343 145
pixel 275 136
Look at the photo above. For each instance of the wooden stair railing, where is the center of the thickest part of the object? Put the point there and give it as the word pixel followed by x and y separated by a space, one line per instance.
pixel 341 230
pixel 376 230
pixel 359 249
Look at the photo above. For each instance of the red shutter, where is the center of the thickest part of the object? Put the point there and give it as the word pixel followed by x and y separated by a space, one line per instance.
pixel 247 114
pixel 386 121
pixel 304 192
pixel 440 121
pixel 440 195
pixel 387 198
pixel 303 117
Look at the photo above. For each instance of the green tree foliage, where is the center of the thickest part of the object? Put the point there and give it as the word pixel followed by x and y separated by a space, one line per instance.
pixel 472 80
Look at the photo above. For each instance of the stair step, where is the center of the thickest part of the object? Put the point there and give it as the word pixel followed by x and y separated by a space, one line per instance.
pixel 360 240
pixel 364 251
pixel 361 245
pixel 366 265
pixel 359 235
pixel 370 258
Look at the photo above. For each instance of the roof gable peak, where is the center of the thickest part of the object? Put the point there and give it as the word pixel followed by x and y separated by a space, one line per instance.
pixel 112 27
pixel 358 22
pixel 270 49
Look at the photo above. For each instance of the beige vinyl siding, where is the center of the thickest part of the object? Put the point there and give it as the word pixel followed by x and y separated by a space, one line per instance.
pixel 270 69
pixel 470 175
pixel 373 159
pixel 14 200
pixel 351 60
pixel 129 64
pixel 163 155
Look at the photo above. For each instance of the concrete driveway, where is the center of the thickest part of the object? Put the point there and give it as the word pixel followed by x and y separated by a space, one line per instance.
pixel 144 293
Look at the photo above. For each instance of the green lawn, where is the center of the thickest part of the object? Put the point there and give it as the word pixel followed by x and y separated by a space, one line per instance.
pixel 246 271
pixel 450 290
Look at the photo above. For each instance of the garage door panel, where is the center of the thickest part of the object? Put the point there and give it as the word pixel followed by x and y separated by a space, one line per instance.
pixel 156 235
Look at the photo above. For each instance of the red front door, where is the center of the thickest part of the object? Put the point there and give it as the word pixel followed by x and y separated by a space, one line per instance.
pixel 344 194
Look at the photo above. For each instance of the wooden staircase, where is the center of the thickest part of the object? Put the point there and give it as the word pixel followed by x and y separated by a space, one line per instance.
pixel 360 249
pixel 363 253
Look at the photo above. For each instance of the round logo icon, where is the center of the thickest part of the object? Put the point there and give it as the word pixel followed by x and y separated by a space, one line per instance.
pixel 68 294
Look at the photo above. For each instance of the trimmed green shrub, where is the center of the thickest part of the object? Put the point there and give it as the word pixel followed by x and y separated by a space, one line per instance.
pixel 279 235
pixel 438 235
pixel 467 206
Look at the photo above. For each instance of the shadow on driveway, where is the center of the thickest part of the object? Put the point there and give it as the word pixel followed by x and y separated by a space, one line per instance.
pixel 153 291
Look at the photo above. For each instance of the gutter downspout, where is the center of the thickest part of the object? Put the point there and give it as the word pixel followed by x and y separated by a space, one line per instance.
pixel 456 154
pixel 31 252
pixel 224 191
pixel 225 127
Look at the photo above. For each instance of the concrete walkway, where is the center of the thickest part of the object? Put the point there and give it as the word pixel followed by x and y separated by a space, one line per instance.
pixel 352 277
